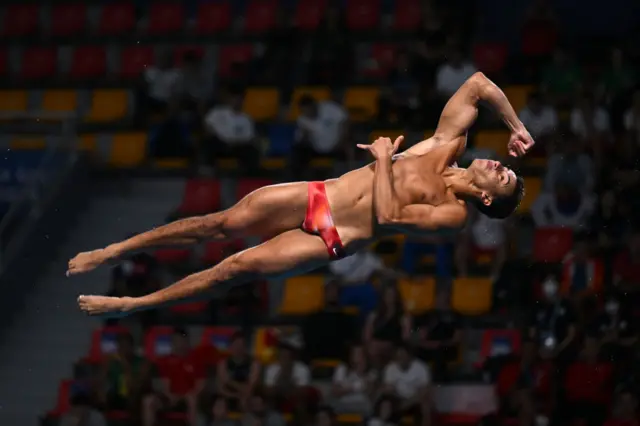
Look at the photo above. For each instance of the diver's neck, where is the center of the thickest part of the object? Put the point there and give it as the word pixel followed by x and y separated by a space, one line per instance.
pixel 460 181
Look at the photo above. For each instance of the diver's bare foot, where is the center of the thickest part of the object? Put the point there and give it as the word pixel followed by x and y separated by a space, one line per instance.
pixel 89 260
pixel 105 306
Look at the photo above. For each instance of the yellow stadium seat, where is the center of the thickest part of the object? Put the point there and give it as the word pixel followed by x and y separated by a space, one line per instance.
pixel 303 295
pixel 518 95
pixel 14 100
pixel 318 93
pixel 321 163
pixel 532 188
pixel 418 295
pixel 273 163
pixel 495 140
pixel 171 163
pixel 128 149
pixel 472 296
pixel 262 103
pixel 87 142
pixel 60 100
pixel 362 102
pixel 108 105
pixel 392 134
pixel 325 363
pixel 27 143
pixel 265 341
pixel 227 163
pixel 350 418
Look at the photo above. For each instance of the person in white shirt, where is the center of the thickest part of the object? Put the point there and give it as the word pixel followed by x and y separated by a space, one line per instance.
pixel 231 132
pixel 564 207
pixel 409 379
pixel 286 379
pixel 353 384
pixel 161 84
pixel 453 73
pixel 321 130
pixel 589 120
pixel 359 268
pixel 195 84
pixel 541 119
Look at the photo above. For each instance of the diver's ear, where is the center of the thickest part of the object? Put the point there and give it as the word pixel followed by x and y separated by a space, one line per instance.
pixel 486 199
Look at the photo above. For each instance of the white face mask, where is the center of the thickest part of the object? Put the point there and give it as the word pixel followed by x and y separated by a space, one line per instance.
pixel 550 288
pixel 611 307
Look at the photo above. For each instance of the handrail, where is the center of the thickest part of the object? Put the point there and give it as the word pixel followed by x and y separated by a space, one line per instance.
pixel 58 159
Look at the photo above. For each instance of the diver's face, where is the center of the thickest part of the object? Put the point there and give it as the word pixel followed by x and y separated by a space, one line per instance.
pixel 493 179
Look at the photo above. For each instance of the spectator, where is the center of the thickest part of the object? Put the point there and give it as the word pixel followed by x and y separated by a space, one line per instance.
pixel 453 73
pixel 361 267
pixel 81 413
pixel 195 85
pixel 409 380
pixel 564 207
pixel 482 235
pixel 218 414
pixel 616 329
pixel 183 380
pixel 387 326
pixel 159 90
pixel 239 374
pixel 625 410
pixel 327 332
pixel 384 413
pixel 287 381
pixel 126 376
pixel 354 383
pixel 632 118
pixel 231 133
pixel 572 167
pixel 524 385
pixel 539 118
pixel 439 336
pixel 552 323
pixel 561 79
pixel 589 120
pixel 259 412
pixel 321 131
pixel 582 273
pixel 588 384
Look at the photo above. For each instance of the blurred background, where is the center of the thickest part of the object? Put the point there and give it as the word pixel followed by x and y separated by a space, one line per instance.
pixel 118 116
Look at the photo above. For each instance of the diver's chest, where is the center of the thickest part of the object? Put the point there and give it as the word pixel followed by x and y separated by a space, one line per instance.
pixel 422 189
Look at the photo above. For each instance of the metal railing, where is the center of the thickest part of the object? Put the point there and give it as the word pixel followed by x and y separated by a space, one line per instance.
pixel 42 183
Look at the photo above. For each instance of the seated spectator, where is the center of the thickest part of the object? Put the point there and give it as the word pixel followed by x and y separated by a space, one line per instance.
pixel 564 207
pixel 159 89
pixel 239 374
pixel 81 413
pixel 387 326
pixel 453 73
pixel 408 379
pixel 353 384
pixel 616 329
pixel 589 120
pixel 582 273
pixel 570 165
pixel 539 118
pixel 482 235
pixel 588 383
pixel 625 409
pixel 552 323
pixel 231 133
pixel 287 382
pixel 218 415
pixel 259 413
pixel 440 336
pixel 524 386
pixel 561 79
pixel 321 131
pixel 125 376
pixel 183 379
pixel 195 85
pixel 632 118
pixel 385 413
pixel 361 267
pixel 327 332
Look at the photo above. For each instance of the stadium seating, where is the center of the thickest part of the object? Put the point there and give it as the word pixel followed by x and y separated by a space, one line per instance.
pixel 180 51
pixel 260 16
pixel 20 19
pixel 14 100
pixel 472 296
pixel 23 143
pixel 281 138
pixel 38 62
pixel 157 342
pixel 498 342
pixel 362 103
pixel 128 149
pixel 215 251
pixel 213 17
pixel 135 59
pixel 418 294
pixel 490 58
pixel 308 14
pixel 60 101
pixel 165 17
pixel 117 17
pixel 381 60
pixel 108 105
pixel 104 342
pixel 68 19
pixel 172 256
pixel 407 15
pixel 201 196
pixel 88 62
pixel 318 93
pixel 552 244
pixel 517 96
pixel 262 103
pixel 494 140
pixel 303 295
pixel 231 56
pixel 363 14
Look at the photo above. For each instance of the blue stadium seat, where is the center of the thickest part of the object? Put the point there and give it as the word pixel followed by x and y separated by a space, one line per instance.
pixel 281 137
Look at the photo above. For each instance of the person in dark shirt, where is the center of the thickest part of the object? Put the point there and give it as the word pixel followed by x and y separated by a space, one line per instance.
pixel 616 330
pixel 239 374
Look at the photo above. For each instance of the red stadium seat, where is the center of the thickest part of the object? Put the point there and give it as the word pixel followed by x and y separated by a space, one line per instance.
pixel 39 62
pixel 172 255
pixel 213 17
pixel 20 20
pixel 117 18
pixel 135 59
pixel 230 56
pixel 490 58
pixel 189 308
pixel 218 337
pixel 407 15
pixel 363 14
pixel 63 401
pixel 157 342
pixel 215 251
pixel 201 196
pixel 260 16
pixel 88 62
pixel 552 244
pixel 4 69
pixel 309 14
pixel 382 60
pixel 499 342
pixel 165 17
pixel 246 186
pixel 180 51
pixel 68 19
pixel 103 342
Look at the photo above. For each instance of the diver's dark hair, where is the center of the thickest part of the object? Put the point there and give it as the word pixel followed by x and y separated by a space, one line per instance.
pixel 503 207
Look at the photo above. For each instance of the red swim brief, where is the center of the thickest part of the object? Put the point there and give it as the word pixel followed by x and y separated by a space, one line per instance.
pixel 318 220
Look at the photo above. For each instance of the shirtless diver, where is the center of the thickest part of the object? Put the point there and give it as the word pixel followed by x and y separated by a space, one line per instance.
pixel 418 191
